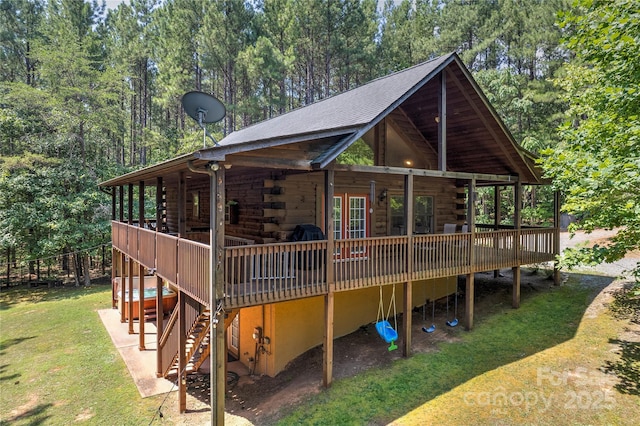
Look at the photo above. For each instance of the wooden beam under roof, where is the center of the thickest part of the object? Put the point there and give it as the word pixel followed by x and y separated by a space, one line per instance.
pixel 427 173
pixel 268 162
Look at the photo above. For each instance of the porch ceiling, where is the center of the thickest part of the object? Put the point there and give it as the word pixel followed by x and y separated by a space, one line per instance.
pixel 477 141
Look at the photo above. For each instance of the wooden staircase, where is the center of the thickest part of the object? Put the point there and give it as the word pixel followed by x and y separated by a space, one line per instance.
pixel 198 346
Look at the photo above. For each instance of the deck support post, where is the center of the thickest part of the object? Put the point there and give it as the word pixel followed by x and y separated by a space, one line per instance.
pixel 141 269
pixel 327 347
pixel 141 345
pixel 498 216
pixel 329 300
pixel 141 272
pixel 408 286
pixel 130 287
pixel 517 219
pixel 469 295
pixel 123 283
pixel 159 325
pixel 114 274
pixel 556 236
pixel 130 274
pixel 515 303
pixel 113 250
pixel 159 296
pixel 182 359
pixel 407 322
pixel 218 355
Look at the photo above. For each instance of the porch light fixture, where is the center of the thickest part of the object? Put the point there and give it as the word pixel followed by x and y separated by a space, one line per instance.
pixel 408 163
pixel 203 108
pixel 383 195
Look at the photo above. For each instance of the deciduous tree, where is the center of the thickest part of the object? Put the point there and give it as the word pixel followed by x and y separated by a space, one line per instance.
pixel 597 164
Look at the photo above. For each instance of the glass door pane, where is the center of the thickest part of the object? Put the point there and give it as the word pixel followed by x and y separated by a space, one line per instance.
pixel 357 222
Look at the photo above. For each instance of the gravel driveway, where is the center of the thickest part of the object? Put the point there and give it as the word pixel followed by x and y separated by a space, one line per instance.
pixel 581 238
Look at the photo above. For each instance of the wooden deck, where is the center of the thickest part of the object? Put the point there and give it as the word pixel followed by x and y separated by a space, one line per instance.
pixel 267 273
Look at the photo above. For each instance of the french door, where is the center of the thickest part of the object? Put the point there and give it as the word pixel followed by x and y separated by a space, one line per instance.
pixel 351 213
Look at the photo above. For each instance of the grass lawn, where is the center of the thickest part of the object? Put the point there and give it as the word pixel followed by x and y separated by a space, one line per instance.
pixel 58 365
pixel 553 361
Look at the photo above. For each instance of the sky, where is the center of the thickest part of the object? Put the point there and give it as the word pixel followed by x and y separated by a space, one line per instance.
pixel 112 4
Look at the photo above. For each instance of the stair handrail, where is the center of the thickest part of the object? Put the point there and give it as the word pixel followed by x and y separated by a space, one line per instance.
pixel 168 328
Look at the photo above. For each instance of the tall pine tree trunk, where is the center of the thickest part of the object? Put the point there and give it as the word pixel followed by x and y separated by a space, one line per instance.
pixel 86 269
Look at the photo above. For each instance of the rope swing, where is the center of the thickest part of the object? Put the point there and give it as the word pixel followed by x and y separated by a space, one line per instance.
pixel 384 329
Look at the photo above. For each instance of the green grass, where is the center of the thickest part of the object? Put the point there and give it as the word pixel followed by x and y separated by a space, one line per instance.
pixel 540 364
pixel 58 364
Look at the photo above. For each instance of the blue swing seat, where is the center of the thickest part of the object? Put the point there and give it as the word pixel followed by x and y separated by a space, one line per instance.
pixel 387 332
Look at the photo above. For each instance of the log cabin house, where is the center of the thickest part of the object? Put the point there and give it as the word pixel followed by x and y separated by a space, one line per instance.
pixel 274 245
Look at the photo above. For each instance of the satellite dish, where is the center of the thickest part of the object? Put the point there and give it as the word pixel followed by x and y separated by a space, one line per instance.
pixel 203 108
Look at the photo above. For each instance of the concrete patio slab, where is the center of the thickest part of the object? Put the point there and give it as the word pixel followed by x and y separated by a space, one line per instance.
pixel 141 364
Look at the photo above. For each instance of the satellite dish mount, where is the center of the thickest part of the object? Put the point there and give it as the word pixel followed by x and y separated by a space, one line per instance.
pixel 203 108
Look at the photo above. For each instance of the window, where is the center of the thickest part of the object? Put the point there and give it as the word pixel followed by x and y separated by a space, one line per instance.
pixel 422 215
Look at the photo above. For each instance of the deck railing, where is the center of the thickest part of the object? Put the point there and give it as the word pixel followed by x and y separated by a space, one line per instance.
pixel 443 255
pixel 266 273
pixel 495 250
pixel 193 269
pixel 537 245
pixel 365 262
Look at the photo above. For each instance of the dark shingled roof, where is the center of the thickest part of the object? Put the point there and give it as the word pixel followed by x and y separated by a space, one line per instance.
pixel 477 141
pixel 349 110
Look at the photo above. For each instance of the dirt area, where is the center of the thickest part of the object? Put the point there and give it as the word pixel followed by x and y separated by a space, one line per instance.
pixel 263 400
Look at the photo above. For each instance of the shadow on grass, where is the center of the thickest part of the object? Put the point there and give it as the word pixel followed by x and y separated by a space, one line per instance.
pixel 627 368
pixel 7 343
pixel 548 316
pixel 33 416
pixel 27 294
